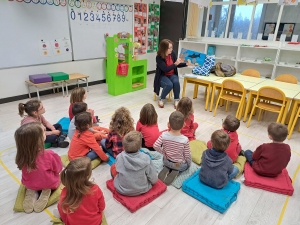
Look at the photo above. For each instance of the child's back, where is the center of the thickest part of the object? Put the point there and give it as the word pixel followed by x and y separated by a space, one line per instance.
pixel 271 158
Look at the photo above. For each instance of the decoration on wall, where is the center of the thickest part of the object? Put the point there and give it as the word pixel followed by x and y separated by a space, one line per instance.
pixel 288 2
pixel 106 6
pixel 44 48
pixel 246 2
pixel 202 3
pixel 153 27
pixel 140 27
pixel 44 2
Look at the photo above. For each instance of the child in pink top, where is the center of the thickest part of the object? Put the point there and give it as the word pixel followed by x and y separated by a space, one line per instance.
pixel 185 106
pixel 147 125
pixel 40 168
pixel 230 126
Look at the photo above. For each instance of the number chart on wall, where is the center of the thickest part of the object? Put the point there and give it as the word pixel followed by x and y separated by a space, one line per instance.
pixel 90 23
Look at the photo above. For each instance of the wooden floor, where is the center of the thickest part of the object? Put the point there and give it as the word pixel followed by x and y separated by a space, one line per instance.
pixel 253 206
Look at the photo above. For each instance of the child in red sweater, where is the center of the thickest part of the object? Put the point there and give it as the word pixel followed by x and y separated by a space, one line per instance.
pixel 185 106
pixel 230 126
pixel 270 159
pixel 81 201
pixel 40 168
pixel 83 142
pixel 147 125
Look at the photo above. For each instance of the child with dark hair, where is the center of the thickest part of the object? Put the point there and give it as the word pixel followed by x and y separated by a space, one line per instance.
pixel 185 106
pixel 217 169
pixel 81 201
pixel 99 132
pixel 135 172
pixel 35 110
pixel 270 159
pixel 230 126
pixel 40 168
pixel 83 142
pixel 175 149
pixel 147 125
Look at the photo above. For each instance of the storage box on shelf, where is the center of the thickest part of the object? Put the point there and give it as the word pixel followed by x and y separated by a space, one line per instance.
pixel 273 59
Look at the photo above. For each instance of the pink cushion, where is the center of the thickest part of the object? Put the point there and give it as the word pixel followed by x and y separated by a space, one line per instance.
pixel 281 184
pixel 133 203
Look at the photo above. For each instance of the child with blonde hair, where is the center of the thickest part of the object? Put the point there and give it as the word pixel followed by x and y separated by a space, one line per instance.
pixel 40 168
pixel 147 125
pixel 83 142
pixel 35 110
pixel 81 201
pixel 185 106
pixel 121 123
pixel 79 95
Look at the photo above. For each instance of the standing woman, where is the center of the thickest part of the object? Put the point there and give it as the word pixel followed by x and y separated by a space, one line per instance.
pixel 166 72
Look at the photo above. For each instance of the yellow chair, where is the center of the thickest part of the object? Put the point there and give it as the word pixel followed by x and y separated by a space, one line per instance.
pixel 297 116
pixel 233 91
pixel 251 73
pixel 169 96
pixel 288 78
pixel 265 99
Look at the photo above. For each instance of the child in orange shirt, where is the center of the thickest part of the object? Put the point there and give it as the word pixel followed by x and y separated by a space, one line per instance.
pixel 83 142
pixel 185 106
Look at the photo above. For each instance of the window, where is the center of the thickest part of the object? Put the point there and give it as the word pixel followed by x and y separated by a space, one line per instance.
pixel 217 20
pixel 289 23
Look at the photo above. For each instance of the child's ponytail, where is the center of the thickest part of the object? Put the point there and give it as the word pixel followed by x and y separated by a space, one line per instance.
pixel 29 107
pixel 21 109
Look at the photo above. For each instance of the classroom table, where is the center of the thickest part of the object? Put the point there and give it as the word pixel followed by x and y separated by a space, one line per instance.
pixel 40 87
pixel 78 77
pixel 295 105
pixel 200 80
pixel 290 91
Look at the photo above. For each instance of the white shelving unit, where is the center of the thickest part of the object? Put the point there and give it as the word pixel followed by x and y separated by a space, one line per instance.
pixel 243 55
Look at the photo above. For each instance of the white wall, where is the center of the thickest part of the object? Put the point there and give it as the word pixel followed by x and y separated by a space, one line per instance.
pixel 13 80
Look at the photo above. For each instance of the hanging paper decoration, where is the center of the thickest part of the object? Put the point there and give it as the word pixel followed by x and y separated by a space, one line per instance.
pixel 288 2
pixel 201 3
pixel 153 27
pixel 140 27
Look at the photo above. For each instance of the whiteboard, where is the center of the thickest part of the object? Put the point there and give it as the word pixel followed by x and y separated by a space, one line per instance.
pixel 24 25
pixel 90 21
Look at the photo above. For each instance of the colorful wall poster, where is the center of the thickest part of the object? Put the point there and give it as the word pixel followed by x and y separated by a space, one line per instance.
pixel 153 27
pixel 140 27
pixel 44 48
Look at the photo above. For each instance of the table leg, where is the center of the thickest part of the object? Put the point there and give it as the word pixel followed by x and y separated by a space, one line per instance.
pixel 286 109
pixel 195 91
pixel 37 92
pixel 292 114
pixel 184 86
pixel 67 89
pixel 87 85
pixel 28 86
pixel 207 95
pixel 62 87
pixel 212 97
pixel 250 100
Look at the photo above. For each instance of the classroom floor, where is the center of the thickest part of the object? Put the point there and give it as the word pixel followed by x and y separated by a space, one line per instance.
pixel 253 206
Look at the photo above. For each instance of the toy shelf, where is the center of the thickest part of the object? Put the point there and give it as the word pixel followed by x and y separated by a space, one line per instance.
pixel 136 78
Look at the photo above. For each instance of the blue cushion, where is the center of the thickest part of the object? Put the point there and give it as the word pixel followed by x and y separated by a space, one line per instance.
pixel 205 69
pixel 218 199
pixel 64 122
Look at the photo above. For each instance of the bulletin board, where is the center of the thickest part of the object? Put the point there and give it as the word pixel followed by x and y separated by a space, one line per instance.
pixel 140 27
pixel 153 27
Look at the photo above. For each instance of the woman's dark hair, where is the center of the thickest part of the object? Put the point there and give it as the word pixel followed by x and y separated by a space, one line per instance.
pixel 163 47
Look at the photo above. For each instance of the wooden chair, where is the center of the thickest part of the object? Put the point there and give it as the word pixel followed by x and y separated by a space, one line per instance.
pixel 288 78
pixel 169 96
pixel 251 73
pixel 265 99
pixel 232 91
pixel 297 116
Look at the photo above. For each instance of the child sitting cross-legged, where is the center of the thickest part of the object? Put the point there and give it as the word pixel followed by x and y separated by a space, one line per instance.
pixel 81 201
pixel 175 149
pixel 135 172
pixel 270 159
pixel 40 168
pixel 217 169
pixel 99 132
pixel 83 142
pixel 230 126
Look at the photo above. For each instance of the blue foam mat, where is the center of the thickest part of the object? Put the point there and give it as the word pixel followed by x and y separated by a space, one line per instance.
pixel 218 199
pixel 64 122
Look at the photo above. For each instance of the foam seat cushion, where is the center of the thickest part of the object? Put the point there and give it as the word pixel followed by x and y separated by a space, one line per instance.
pixel 54 197
pixel 197 148
pixel 58 76
pixel 64 122
pixel 58 221
pixel 47 145
pixel 65 161
pixel 133 203
pixel 40 78
pixel 218 199
pixel 281 184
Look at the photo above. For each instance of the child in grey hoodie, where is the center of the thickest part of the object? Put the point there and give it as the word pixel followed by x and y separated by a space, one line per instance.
pixel 135 171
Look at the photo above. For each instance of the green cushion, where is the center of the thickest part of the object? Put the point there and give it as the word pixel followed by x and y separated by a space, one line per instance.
pixel 197 148
pixel 54 197
pixel 240 164
pixel 65 161
pixel 58 221
pixel 47 145
pixel 59 76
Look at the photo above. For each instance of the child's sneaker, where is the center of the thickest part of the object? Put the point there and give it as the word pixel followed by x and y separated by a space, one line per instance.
pixel 242 153
pixel 163 174
pixel 61 142
pixel 171 177
pixel 30 198
pixel 160 103
pixel 175 104
pixel 41 203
